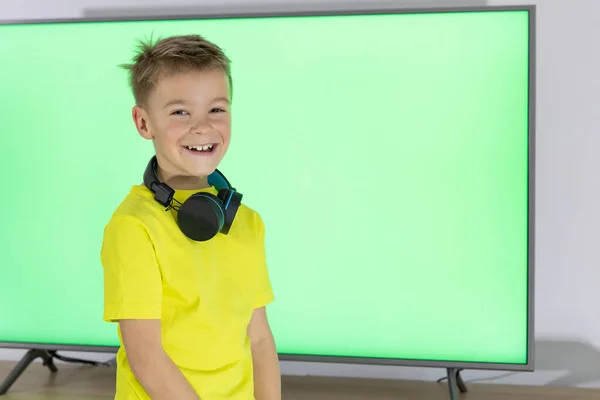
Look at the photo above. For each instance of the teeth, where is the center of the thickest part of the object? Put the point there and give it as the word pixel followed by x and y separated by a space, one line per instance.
pixel 206 147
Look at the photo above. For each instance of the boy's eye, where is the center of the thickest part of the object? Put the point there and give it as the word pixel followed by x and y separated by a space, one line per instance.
pixel 178 112
pixel 217 110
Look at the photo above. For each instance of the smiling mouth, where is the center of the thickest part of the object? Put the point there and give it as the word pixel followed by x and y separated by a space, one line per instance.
pixel 206 148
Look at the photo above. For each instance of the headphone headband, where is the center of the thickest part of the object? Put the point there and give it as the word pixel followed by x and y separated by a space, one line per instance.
pixel 164 193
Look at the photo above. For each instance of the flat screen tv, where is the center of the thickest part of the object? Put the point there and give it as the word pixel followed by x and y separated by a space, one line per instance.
pixel 390 154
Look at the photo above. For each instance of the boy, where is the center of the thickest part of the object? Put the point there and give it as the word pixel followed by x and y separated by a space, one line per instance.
pixel 190 313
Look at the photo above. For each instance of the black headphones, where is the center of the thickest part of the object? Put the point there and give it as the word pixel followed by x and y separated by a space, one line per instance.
pixel 203 215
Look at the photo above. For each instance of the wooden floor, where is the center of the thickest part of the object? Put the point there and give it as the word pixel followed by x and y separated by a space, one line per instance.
pixel 73 382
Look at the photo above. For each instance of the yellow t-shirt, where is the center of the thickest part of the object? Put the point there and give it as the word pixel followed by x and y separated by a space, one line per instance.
pixel 203 292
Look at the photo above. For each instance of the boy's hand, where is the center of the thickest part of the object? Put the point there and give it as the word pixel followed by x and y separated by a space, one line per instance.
pixel 151 365
pixel 267 375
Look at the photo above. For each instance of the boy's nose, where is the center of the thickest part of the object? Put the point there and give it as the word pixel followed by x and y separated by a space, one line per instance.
pixel 201 126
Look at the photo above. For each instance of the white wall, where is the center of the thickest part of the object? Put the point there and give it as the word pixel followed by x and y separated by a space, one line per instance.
pixel 568 127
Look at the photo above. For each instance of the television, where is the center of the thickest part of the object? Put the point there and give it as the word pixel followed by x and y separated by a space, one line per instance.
pixel 390 154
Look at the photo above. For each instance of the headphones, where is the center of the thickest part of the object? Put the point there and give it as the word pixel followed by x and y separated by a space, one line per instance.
pixel 203 215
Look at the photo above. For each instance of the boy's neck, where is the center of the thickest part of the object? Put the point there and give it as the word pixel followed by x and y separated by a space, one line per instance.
pixel 182 182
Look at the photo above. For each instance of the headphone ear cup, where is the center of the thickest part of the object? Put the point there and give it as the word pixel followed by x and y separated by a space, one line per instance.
pixel 201 217
pixel 231 201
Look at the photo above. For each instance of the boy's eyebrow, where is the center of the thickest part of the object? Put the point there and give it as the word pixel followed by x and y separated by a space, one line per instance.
pixel 174 102
pixel 225 99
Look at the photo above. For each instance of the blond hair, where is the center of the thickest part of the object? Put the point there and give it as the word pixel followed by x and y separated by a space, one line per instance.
pixel 169 56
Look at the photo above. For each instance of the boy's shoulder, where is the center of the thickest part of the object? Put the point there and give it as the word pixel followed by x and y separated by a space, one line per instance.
pixel 137 204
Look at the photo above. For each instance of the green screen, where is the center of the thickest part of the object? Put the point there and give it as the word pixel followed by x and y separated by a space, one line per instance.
pixel 387 154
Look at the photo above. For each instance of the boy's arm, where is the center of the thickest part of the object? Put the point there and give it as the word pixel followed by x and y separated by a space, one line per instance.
pixel 153 368
pixel 133 298
pixel 267 375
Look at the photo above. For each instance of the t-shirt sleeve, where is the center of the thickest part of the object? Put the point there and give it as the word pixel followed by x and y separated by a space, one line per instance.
pixel 132 278
pixel 264 294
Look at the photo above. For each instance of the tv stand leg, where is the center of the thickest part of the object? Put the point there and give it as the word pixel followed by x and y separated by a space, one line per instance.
pixel 22 365
pixel 456 384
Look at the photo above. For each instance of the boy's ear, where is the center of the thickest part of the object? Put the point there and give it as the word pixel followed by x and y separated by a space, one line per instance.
pixel 141 122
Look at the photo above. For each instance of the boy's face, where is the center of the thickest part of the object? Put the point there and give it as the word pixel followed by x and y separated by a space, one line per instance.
pixel 188 118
